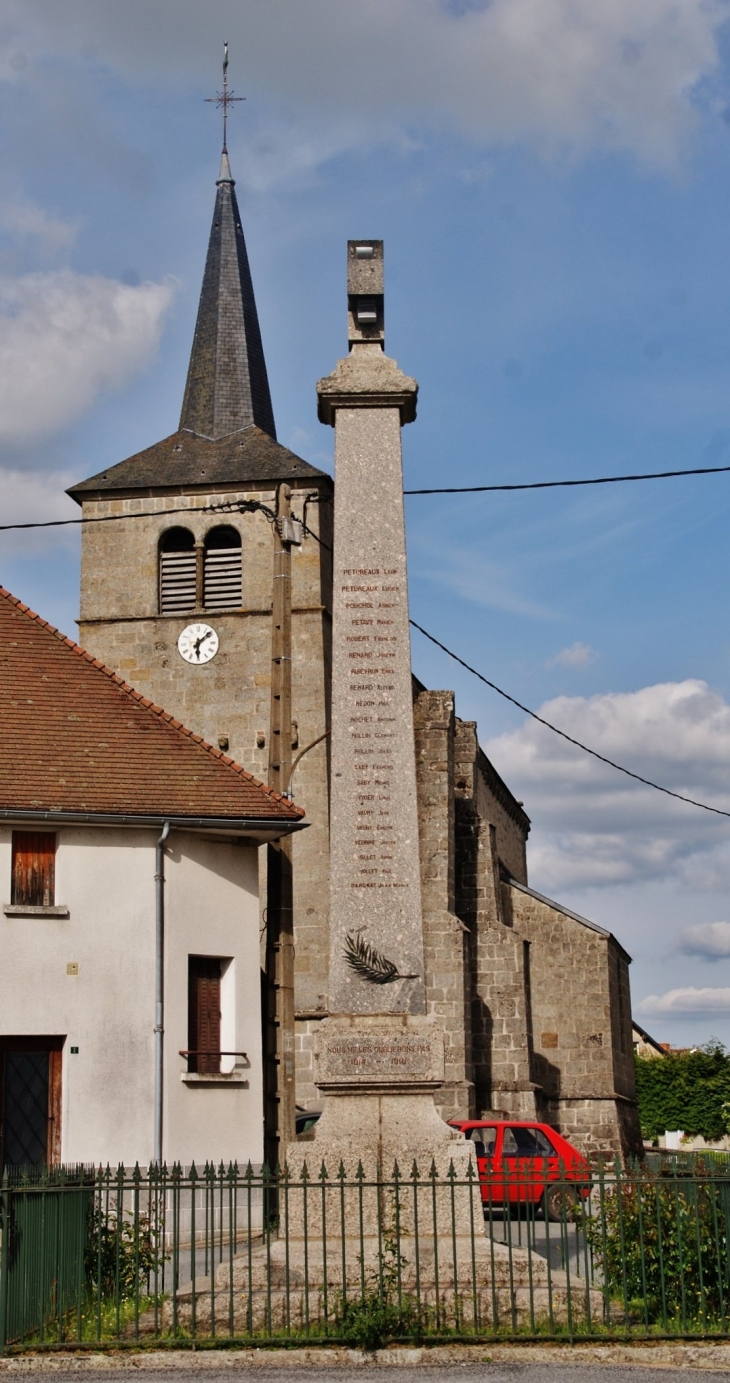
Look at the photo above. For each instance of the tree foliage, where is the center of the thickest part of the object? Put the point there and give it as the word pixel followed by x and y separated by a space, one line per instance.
pixel 684 1090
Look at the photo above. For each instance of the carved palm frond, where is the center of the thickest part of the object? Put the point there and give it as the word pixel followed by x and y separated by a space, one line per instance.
pixel 370 964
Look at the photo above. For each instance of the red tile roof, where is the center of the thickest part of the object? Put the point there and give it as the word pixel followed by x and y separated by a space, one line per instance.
pixel 74 737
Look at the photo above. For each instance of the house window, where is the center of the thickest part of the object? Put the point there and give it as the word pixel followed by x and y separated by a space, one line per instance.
pixel 204 1014
pixel 178 572
pixel 33 882
pixel 222 569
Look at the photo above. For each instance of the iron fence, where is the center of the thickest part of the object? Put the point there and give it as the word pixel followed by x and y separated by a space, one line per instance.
pixel 221 1254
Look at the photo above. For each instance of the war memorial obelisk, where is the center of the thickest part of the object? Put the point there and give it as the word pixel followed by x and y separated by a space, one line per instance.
pixel 385 1176
pixel 380 1056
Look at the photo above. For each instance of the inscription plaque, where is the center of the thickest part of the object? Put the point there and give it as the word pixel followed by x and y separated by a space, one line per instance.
pixel 379 1059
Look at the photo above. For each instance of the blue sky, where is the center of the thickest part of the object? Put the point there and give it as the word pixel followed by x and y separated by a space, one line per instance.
pixel 551 181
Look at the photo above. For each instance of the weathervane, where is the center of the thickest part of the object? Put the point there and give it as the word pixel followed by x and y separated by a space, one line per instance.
pixel 225 98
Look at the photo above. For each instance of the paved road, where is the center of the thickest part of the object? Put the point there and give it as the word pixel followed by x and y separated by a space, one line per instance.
pixel 495 1372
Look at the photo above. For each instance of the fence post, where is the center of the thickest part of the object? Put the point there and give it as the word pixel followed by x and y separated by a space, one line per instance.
pixel 4 1251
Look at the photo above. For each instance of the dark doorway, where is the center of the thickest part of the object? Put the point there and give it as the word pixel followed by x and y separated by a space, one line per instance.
pixel 30 1101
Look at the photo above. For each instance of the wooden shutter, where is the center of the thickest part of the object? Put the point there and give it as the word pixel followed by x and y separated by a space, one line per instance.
pixel 204 1013
pixel 34 869
pixel 178 572
pixel 222 583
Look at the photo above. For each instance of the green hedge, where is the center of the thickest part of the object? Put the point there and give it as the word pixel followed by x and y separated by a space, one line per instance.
pixel 684 1091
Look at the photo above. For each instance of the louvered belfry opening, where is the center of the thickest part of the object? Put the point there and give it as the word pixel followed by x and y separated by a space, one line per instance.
pixel 178 572
pixel 204 1014
pixel 222 571
pixel 33 880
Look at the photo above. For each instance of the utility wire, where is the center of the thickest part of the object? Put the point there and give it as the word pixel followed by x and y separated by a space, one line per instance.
pixel 443 490
pixel 593 752
pixel 110 518
pixel 250 506
pixel 558 484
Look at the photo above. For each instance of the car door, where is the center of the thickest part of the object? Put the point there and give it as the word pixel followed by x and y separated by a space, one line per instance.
pixel 484 1138
pixel 525 1164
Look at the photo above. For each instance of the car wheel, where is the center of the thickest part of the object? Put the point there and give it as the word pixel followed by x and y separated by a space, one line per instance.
pixel 559 1202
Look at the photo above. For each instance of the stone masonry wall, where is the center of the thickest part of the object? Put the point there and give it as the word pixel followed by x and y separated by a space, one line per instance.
pixel 445 948
pixel 498 1005
pixel 575 1037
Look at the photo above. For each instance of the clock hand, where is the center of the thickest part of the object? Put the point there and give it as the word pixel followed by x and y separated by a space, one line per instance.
pixel 199 641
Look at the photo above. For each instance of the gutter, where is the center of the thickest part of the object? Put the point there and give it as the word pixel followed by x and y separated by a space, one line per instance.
pixel 257 829
pixel 159 986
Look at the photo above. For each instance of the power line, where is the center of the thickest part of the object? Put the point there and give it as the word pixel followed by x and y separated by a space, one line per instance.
pixel 251 506
pixel 440 490
pixel 593 752
pixel 558 484
pixel 110 518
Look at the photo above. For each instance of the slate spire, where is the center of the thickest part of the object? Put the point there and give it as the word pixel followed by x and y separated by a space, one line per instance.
pixel 227 387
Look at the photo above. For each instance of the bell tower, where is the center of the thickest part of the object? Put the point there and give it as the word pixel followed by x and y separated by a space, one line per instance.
pixel 177 587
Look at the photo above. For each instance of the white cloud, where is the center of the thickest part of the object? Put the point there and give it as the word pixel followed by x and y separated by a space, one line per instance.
pixel 23 219
pixel 595 827
pixel 711 939
pixel 38 497
pixel 578 655
pixel 690 1001
pixel 554 74
pixel 65 338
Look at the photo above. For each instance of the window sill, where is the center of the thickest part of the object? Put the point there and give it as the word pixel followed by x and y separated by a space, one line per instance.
pixel 28 910
pixel 213 1078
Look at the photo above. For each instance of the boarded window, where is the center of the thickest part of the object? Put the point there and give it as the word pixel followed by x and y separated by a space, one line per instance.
pixel 222 573
pixel 178 572
pixel 204 1014
pixel 34 869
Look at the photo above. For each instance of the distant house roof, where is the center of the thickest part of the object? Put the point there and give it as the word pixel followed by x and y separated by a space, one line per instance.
pixel 186 460
pixel 76 739
pixel 661 1048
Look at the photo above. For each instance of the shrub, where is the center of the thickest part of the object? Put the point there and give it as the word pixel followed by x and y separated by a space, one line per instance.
pixel 662 1245
pixel 121 1257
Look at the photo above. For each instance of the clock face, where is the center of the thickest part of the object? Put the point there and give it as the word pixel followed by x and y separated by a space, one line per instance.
pixel 198 643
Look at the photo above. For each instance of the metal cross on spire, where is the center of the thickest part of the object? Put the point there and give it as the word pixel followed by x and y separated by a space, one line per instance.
pixel 225 98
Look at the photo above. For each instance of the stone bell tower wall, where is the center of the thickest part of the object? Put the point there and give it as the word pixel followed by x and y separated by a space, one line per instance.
pixel 120 624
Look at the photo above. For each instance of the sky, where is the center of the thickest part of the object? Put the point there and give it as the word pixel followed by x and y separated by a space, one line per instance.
pixel 551 180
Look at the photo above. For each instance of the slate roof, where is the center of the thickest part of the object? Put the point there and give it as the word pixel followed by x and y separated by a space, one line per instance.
pixel 227 386
pixel 76 738
pixel 186 460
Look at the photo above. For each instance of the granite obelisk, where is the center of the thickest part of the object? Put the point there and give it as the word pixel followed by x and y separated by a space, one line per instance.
pixel 379 1056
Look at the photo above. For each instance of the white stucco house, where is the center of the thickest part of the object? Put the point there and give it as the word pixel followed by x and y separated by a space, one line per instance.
pixel 130 1011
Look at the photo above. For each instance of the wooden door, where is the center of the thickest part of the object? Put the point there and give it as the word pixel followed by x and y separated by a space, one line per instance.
pixel 30 1101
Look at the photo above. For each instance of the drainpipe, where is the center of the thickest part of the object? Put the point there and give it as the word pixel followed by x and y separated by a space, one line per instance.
pixel 159 985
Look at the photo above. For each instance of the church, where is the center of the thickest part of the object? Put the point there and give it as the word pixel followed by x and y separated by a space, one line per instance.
pixel 179 596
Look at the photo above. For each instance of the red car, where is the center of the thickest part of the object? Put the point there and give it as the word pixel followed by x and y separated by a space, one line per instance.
pixel 527 1164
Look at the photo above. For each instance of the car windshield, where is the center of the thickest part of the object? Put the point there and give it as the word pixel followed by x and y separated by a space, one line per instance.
pixel 526 1142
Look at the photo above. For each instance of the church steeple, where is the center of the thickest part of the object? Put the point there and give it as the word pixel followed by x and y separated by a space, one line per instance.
pixel 227 387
